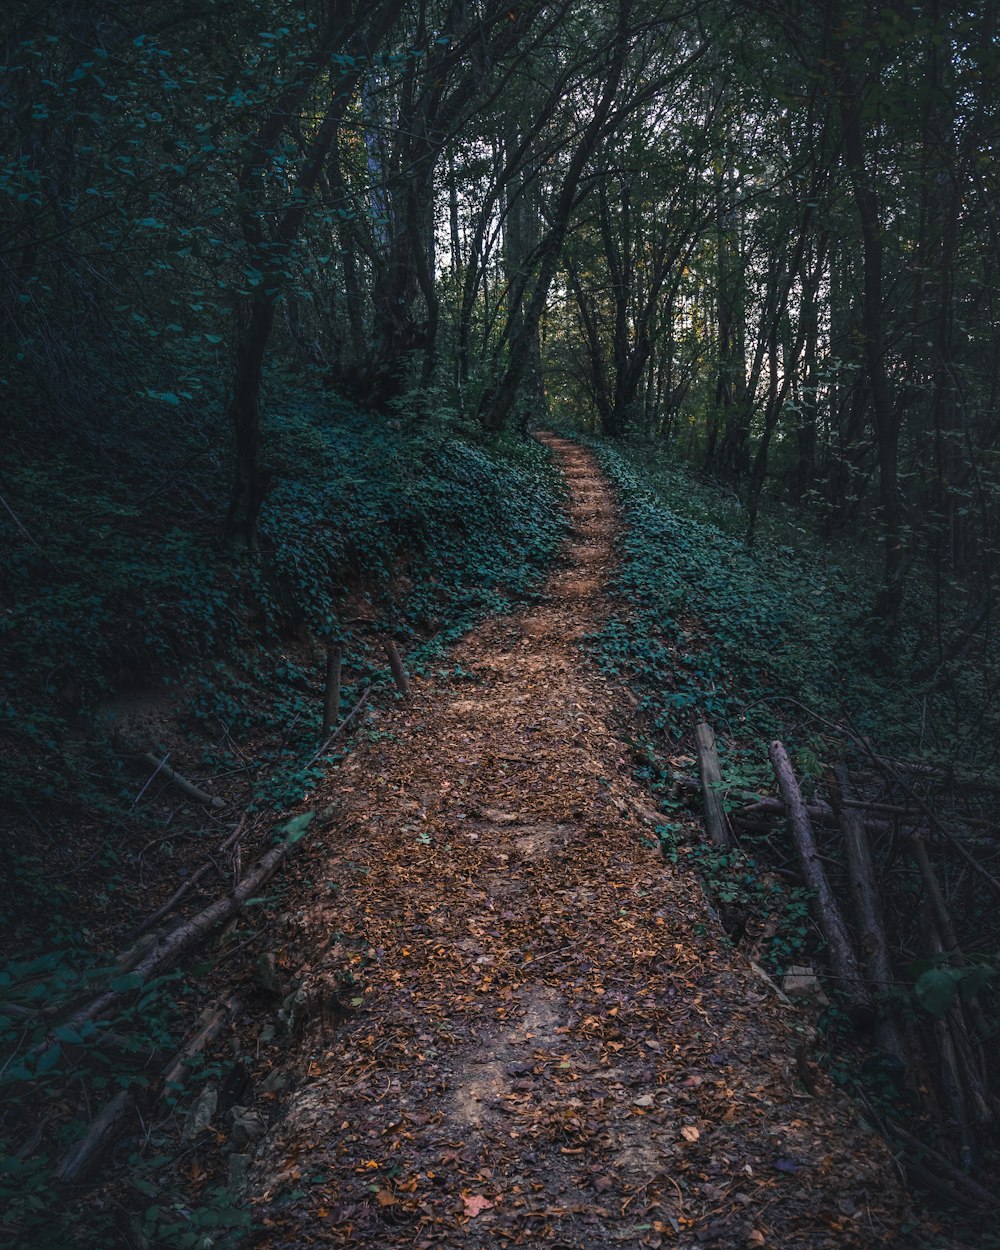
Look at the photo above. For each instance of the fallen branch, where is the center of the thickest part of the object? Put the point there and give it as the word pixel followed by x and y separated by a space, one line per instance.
pixel 765 806
pixel 186 886
pixel 842 958
pixel 182 783
pixel 210 1024
pixel 343 726
pixel 169 949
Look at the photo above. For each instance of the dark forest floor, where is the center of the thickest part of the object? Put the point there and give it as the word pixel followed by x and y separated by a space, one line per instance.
pixel 514 1023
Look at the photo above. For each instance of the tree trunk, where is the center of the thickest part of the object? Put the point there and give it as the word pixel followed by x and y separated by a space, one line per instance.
pixel 250 483
pixel 886 419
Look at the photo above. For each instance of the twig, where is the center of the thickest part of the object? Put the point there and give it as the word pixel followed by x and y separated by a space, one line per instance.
pixel 182 783
pixel 187 885
pixel 343 726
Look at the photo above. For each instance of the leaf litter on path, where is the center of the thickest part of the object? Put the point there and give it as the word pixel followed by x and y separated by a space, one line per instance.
pixel 550 1045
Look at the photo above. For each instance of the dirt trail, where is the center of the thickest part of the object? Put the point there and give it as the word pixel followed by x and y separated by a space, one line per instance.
pixel 553 1046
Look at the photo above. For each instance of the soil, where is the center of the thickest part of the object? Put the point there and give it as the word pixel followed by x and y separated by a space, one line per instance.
pixel 515 1024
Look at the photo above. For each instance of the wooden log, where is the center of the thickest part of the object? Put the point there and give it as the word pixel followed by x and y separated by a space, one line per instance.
pixel 182 783
pixel 711 785
pixel 331 701
pixel 82 1158
pixel 170 948
pixel 187 886
pixel 843 961
pixel 868 912
pixel 765 805
pixel 396 668
pixel 210 1024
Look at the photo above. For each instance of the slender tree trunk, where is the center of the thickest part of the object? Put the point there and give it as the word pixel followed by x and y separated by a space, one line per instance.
pixel 886 420
pixel 250 482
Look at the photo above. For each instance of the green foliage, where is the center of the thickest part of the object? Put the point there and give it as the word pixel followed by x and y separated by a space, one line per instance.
pixel 939 985
pixel 429 531
pixel 119 587
pixel 754 639
pixel 42 1064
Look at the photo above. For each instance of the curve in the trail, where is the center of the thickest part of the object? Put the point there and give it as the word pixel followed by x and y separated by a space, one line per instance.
pixel 549 1044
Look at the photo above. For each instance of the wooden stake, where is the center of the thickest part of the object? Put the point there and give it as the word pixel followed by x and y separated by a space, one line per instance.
pixel 396 666
pixel 711 785
pixel 331 703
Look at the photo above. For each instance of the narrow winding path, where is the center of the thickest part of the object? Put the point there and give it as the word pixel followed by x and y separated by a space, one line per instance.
pixel 545 1041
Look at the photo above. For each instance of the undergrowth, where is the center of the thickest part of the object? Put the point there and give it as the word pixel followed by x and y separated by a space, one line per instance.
pixel 119 593
pixel 752 639
pixel 763 642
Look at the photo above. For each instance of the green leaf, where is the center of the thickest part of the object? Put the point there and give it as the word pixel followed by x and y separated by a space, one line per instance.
pixel 295 829
pixel 48 1060
pixel 935 990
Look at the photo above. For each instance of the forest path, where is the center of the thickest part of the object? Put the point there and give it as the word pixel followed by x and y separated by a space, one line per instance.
pixel 553 1048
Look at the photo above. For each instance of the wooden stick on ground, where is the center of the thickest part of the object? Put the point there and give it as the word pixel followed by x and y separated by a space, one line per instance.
pixel 182 783
pixel 711 785
pixel 211 1022
pixel 842 958
pixel 170 948
pixel 83 1156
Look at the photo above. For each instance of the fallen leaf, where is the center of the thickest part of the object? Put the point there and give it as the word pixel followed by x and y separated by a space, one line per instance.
pixel 475 1204
pixel 690 1133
